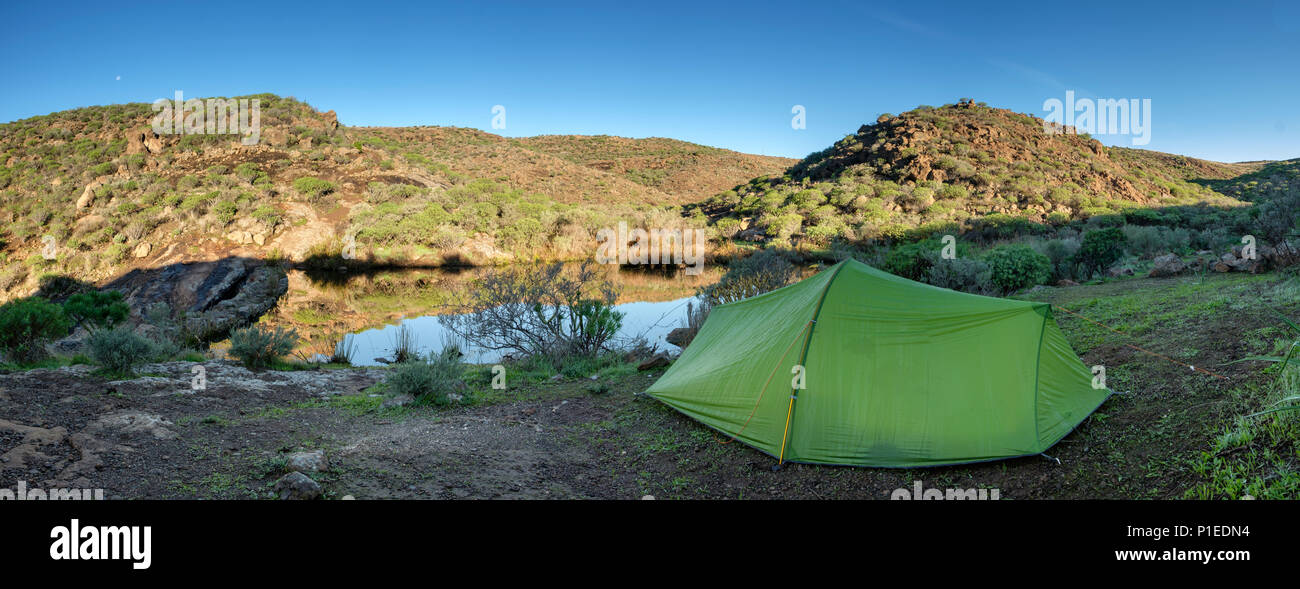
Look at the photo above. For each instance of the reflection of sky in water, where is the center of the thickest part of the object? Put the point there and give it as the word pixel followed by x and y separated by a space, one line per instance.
pixel 652 321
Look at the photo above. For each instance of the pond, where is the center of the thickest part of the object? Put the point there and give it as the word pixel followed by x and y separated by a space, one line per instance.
pixel 372 306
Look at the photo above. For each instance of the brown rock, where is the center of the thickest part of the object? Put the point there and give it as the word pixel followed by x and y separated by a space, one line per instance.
pixel 659 360
pixel 680 337
pixel 1167 265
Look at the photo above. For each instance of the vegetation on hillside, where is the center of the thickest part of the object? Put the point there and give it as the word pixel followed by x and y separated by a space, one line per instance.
pixel 88 192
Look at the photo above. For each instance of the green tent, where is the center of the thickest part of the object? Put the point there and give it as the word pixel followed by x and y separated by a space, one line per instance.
pixel 896 373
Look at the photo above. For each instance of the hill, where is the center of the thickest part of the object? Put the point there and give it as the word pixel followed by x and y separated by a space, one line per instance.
pixel 99 192
pixel 959 165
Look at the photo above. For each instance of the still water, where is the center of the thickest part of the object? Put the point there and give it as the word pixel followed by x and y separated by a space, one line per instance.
pixel 370 307
pixel 649 320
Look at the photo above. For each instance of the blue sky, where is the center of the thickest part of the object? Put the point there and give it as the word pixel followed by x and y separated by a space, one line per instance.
pixel 1223 78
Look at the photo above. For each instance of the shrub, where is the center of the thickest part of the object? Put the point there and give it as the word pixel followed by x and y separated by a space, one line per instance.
pixel 225 212
pixel 544 310
pixel 436 379
pixel 257 347
pixel 1100 248
pixel 119 349
pixel 96 310
pixel 756 274
pixel 268 215
pixel 313 187
pixel 912 260
pixel 27 324
pixel 247 171
pixel 1061 254
pixel 1017 266
pixel 964 274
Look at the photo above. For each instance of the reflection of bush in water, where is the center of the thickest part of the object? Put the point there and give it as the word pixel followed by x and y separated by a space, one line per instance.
pixel 547 310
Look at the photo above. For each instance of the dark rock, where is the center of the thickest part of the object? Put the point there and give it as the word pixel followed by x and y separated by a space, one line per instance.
pixel 659 360
pixel 214 296
pixel 680 337
pixel 296 485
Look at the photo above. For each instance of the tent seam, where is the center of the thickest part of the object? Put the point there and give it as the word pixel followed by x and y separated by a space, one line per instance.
pixel 803 357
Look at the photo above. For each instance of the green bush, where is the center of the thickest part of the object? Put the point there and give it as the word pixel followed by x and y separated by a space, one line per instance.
pixel 313 187
pixel 96 310
pixel 258 347
pixel 27 324
pixel 1100 248
pixel 247 171
pixel 763 271
pixel 964 274
pixel 225 212
pixel 912 260
pixel 432 380
pixel 268 215
pixel 1017 266
pixel 119 349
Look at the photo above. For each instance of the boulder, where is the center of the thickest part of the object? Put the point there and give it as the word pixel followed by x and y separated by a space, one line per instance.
pixel 1251 265
pixel 297 486
pixel 659 360
pixel 1167 265
pixel 680 337
pixel 88 195
pixel 142 250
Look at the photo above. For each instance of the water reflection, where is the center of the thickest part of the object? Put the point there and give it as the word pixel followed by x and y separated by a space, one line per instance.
pixel 649 320
pixel 323 306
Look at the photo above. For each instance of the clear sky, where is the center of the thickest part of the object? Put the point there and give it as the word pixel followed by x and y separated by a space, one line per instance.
pixel 1223 77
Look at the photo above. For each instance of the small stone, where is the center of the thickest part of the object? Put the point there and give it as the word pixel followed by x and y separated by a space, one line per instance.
pixel 348 498
pixel 297 486
pixel 647 497
pixel 304 462
pixel 397 401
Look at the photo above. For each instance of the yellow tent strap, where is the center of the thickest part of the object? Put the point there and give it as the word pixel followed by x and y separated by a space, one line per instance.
pixel 785 435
